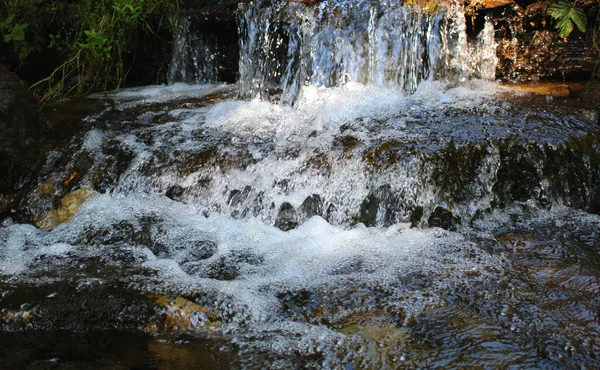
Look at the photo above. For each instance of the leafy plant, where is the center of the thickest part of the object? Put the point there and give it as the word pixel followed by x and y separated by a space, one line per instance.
pixel 94 42
pixel 567 15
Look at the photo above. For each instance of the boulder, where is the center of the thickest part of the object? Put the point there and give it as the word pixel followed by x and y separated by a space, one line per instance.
pixel 22 131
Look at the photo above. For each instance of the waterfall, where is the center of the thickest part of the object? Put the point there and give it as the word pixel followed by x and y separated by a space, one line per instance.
pixel 285 46
pixel 196 56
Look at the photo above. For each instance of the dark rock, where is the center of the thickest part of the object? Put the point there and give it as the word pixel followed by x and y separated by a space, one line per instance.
pixel 530 49
pixel 443 218
pixel 416 216
pixel 312 206
pixel 22 135
pixel 202 249
pixel 368 210
pixel 175 193
pixel 237 197
pixel 519 176
pixel 228 267
pixel 287 218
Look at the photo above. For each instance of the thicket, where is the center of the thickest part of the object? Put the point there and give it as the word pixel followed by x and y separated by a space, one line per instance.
pixel 94 41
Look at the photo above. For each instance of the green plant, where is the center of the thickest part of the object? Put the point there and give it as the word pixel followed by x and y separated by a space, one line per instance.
pixel 567 15
pixel 96 41
pixel 15 33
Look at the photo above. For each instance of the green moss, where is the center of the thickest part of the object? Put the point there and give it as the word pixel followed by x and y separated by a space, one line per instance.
pixel 383 154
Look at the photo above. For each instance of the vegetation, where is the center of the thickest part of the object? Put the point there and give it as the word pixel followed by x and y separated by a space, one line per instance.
pixel 566 15
pixel 95 40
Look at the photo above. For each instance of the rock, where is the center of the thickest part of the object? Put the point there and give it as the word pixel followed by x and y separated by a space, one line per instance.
pixel 312 206
pixel 175 193
pixel 555 89
pixel 287 218
pixel 488 4
pixel 181 314
pixel 443 218
pixel 307 2
pixel 69 205
pixel 23 129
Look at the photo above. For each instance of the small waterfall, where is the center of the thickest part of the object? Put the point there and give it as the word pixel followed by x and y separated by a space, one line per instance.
pixel 483 60
pixel 196 56
pixel 286 46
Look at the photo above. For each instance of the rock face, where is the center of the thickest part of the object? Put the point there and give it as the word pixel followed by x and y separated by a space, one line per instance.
pixel 22 129
pixel 530 49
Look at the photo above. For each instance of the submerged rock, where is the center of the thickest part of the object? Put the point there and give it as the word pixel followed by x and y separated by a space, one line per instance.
pixel 69 205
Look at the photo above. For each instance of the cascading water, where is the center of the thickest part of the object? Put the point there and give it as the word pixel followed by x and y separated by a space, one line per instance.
pixel 379 44
pixel 179 258
pixel 196 58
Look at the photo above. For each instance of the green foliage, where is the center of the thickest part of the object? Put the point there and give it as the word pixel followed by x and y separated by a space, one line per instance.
pixel 14 33
pixel 567 15
pixel 95 38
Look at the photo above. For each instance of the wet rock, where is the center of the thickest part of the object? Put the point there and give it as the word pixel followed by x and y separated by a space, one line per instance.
pixel 287 217
pixel 175 193
pixel 443 218
pixel 368 210
pixel 300 305
pixel 519 176
pixel 307 2
pixel 415 216
pixel 382 206
pixel 487 4
pixel 142 231
pixel 226 267
pixel 533 51
pixel 65 307
pixel 22 133
pixel 346 142
pixel 69 205
pixel 459 172
pixel 312 206
pixel 202 249
pixel 237 197
pixel 555 89
pixel 181 314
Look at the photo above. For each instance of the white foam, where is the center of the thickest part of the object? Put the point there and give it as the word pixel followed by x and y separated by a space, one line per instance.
pixel 316 256
pixel 157 94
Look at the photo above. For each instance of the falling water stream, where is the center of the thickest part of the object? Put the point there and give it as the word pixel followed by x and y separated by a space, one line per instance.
pixel 364 197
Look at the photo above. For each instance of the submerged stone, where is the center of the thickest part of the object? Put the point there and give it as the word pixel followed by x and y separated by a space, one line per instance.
pixel 69 204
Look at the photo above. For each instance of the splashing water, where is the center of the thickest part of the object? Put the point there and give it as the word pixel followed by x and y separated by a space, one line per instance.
pixel 196 57
pixel 185 242
pixel 286 46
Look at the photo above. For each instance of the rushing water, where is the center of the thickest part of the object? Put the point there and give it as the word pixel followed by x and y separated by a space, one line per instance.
pixel 381 44
pixel 179 258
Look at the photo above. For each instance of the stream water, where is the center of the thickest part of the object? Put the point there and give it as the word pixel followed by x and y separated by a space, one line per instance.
pixel 425 218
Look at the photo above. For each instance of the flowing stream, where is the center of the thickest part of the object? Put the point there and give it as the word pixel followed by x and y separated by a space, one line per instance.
pixel 364 197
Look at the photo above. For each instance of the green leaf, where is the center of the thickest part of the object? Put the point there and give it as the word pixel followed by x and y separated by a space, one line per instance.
pixel 564 27
pixel 579 18
pixel 566 16
pixel 9 19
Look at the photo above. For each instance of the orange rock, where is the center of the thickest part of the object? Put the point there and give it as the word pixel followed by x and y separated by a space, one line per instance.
pixel 69 205
pixel 556 89
pixel 181 314
pixel 488 4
